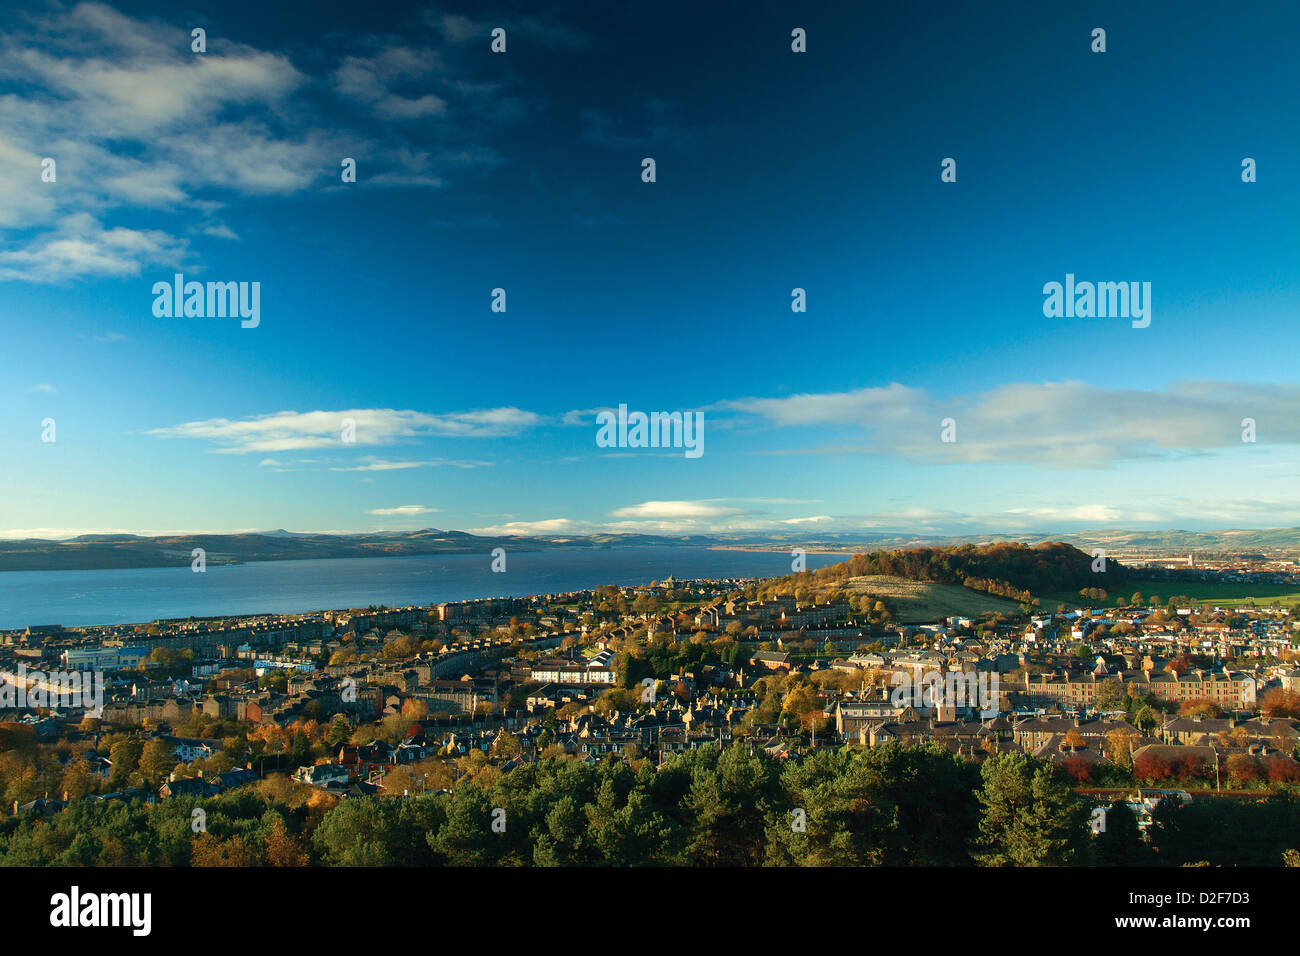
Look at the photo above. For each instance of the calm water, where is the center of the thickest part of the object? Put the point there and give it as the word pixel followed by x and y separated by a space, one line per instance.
pixel 143 594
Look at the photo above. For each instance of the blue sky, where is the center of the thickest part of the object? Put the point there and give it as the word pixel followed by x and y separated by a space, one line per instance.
pixel 522 171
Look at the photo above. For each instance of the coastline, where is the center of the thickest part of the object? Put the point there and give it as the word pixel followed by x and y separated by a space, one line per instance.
pixel 128 596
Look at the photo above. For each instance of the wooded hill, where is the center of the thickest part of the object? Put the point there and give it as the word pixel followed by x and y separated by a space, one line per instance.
pixel 1006 569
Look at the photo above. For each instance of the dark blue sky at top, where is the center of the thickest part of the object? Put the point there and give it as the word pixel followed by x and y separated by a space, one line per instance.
pixel 775 170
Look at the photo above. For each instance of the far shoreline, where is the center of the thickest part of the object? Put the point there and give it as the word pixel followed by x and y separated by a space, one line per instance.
pixel 616 566
pixel 767 549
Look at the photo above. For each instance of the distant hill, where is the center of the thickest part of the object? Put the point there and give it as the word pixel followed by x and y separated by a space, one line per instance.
pixel 99 551
pixel 93 551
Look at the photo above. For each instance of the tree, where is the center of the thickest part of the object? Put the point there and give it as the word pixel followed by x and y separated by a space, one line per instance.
pixel 1119 746
pixel 300 751
pixel 78 780
pixel 630 831
pixel 728 803
pixel 1243 770
pixel 413 708
pixel 1109 695
pixel 1120 844
pixel 209 850
pixel 1282 769
pixel 506 746
pixel 340 731
pixel 1078 768
pixel 125 758
pixel 156 762
pixel 1200 707
pixel 1031 817
pixel 1146 718
pixel 1281 703
pixel 1152 768
pixel 466 837
pixel 282 848
pixel 354 833
pixel 565 840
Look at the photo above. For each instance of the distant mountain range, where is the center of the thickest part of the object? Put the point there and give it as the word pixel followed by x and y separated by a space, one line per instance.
pixel 98 551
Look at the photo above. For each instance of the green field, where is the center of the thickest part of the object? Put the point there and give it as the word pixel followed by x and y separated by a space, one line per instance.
pixel 1205 592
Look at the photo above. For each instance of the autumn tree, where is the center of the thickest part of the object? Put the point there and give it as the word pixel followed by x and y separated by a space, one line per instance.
pixel 413 708
pixel 236 850
pixel 283 848
pixel 506 746
pixel 156 762
pixel 78 779
pixel 1280 703
pixel 1200 707
pixel 1119 746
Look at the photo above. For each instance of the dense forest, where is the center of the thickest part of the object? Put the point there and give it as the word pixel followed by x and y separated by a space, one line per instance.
pixel 891 805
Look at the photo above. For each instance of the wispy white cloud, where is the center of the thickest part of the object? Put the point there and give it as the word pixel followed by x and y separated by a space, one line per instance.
pixel 379 464
pixel 137 122
pixel 80 246
pixel 404 511
pixel 372 79
pixel 540 31
pixel 583 416
pixel 1069 425
pixel 220 231
pixel 285 431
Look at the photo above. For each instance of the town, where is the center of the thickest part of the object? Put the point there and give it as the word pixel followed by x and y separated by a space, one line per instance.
pixel 1130 701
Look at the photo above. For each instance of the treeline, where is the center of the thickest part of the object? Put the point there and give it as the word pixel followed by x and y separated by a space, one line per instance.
pixel 1007 569
pixel 890 805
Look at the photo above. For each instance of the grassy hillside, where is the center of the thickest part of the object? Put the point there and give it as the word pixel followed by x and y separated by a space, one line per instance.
pixel 920 602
